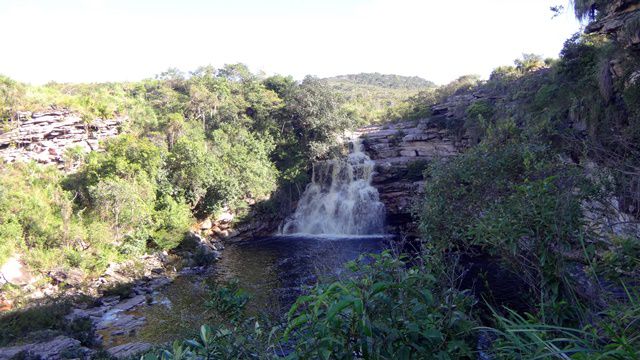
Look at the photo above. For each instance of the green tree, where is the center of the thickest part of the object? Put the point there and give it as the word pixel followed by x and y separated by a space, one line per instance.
pixel 189 169
pixel 529 62
pixel 314 117
pixel 11 92
pixel 127 204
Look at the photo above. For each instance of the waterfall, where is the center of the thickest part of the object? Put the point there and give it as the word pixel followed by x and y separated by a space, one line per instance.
pixel 340 199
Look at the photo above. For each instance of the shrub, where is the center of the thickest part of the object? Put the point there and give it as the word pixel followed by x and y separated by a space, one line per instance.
pixel 172 220
pixel 529 62
pixel 614 335
pixel 415 169
pixel 227 301
pixel 128 205
pixel 385 310
pixel 514 202
pixel 10 237
pixel 17 324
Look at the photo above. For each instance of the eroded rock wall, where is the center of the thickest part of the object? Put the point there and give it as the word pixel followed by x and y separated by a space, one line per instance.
pixel 401 151
pixel 621 21
pixel 45 136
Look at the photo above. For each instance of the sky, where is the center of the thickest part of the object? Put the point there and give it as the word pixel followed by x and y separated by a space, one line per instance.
pixel 129 40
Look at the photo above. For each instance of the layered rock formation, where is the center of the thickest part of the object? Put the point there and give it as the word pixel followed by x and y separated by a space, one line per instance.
pixel 401 152
pixel 621 20
pixel 61 347
pixel 45 136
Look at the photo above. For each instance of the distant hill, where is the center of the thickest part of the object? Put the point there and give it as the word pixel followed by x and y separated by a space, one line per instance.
pixel 390 81
pixel 371 96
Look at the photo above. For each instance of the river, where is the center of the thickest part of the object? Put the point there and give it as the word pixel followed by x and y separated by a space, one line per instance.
pixel 273 271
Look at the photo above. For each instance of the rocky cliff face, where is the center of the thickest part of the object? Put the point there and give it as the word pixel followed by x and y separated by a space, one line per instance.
pixel 45 136
pixel 621 20
pixel 401 152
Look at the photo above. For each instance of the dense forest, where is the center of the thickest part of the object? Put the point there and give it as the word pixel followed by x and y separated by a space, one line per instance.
pixel 548 192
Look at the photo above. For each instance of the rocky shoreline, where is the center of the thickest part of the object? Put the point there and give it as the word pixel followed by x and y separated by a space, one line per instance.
pixel 110 317
pixel 115 294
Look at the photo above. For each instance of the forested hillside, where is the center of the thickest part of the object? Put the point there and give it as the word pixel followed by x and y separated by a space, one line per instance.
pixel 193 145
pixel 384 81
pixel 374 97
pixel 529 237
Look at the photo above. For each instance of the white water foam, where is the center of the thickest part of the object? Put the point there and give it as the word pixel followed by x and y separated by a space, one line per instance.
pixel 340 200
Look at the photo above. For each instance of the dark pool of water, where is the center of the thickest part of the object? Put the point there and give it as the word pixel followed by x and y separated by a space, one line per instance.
pixel 273 270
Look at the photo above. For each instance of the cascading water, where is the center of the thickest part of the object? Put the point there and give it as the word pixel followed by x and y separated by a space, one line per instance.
pixel 340 199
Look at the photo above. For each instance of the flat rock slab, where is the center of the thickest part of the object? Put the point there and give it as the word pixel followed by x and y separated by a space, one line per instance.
pixel 61 347
pixel 131 303
pixel 128 350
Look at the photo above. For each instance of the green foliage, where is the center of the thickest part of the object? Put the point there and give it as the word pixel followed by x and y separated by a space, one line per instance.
pixel 459 86
pixel 513 202
pixel 126 204
pixel 32 204
pixel 517 197
pixel 126 157
pixel 281 85
pixel 373 97
pixel 10 93
pixel 10 237
pixel 504 74
pixel 415 169
pixel 519 337
pixel 385 311
pixel 313 113
pixel 245 341
pixel 622 259
pixel 227 302
pixel 481 108
pixel 384 308
pixel 189 169
pixel 172 219
pixel 385 81
pixel 418 106
pixel 20 326
pixel 242 167
pixel 414 107
pixel 529 62
pixel 477 115
pixel 17 324
pixel 193 145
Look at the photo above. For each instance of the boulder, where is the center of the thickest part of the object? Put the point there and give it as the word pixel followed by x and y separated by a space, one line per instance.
pixel 130 303
pixel 225 217
pixel 14 272
pixel 206 225
pixel 72 277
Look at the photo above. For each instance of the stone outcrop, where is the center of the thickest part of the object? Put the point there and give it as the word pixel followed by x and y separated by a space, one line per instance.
pixel 621 21
pixel 45 136
pixel 61 347
pixel 401 151
pixel 14 272
pixel 128 350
